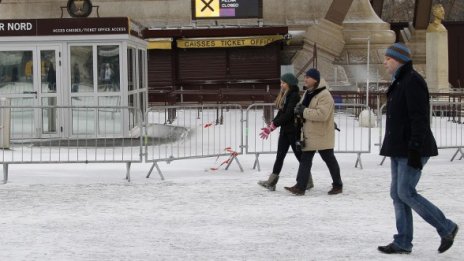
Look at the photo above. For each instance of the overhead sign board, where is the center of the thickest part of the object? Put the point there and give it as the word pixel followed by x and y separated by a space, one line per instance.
pixel 228 42
pixel 75 26
pixel 227 9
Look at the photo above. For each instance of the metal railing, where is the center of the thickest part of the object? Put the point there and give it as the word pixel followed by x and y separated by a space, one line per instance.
pixel 95 134
pixel 446 123
pixel 167 133
pixel 193 131
pixel 352 138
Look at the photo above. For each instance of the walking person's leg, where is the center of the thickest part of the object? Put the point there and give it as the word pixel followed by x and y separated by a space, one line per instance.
pixel 328 157
pixel 304 172
pixel 408 178
pixel 293 139
pixel 405 199
pixel 283 145
pixel 403 213
pixel 282 149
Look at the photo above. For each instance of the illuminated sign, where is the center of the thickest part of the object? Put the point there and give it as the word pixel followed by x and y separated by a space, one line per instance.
pixel 228 42
pixel 227 9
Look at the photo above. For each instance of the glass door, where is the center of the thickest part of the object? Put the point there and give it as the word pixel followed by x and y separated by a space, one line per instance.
pixel 17 84
pixel 30 76
pixel 49 91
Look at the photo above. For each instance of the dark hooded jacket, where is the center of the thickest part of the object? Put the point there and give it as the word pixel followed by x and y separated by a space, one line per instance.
pixel 285 116
pixel 408 116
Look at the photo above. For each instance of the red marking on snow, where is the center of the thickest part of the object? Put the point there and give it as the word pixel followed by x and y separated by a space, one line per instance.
pixel 228 160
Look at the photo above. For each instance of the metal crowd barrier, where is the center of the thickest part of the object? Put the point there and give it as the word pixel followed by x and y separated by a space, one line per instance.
pixel 96 134
pixel 446 124
pixel 381 121
pixel 352 138
pixel 193 131
pixel 258 116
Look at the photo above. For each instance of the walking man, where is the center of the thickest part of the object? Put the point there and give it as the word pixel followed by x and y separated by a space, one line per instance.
pixel 318 134
pixel 409 143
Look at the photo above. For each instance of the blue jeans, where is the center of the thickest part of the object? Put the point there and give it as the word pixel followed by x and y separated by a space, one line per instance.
pixel 405 197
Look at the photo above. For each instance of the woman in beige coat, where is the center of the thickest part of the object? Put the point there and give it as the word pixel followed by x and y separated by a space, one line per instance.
pixel 316 108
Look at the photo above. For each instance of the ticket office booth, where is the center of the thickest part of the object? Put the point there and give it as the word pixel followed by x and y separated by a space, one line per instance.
pixel 73 62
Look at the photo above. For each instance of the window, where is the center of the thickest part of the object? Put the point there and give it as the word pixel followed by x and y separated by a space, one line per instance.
pixel 16 72
pixel 48 71
pixel 131 69
pixel 81 69
pixel 108 68
pixel 141 72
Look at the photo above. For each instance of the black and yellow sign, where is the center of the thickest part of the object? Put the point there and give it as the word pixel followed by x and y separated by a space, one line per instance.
pixel 228 42
pixel 164 43
pixel 229 9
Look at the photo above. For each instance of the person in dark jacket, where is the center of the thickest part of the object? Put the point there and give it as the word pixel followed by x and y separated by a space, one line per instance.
pixel 51 77
pixel 285 103
pixel 409 143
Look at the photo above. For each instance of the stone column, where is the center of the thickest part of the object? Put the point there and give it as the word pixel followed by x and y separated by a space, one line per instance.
pixel 437 61
pixel 437 52
pixel 414 35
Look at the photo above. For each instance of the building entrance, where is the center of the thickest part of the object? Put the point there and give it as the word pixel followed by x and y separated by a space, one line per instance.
pixel 31 76
pixel 60 73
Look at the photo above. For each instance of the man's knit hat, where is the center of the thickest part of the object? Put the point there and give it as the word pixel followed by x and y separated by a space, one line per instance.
pixel 290 79
pixel 399 52
pixel 314 73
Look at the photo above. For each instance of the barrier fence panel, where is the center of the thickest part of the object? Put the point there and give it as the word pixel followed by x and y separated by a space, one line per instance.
pixel 193 131
pixel 352 138
pixel 89 135
pixel 381 121
pixel 258 116
pixel 447 125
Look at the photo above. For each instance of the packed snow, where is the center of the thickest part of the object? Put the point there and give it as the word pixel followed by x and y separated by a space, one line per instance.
pixel 90 212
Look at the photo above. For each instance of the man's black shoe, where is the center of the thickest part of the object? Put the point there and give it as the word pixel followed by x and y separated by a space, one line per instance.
pixel 335 190
pixel 447 242
pixel 392 249
pixel 295 190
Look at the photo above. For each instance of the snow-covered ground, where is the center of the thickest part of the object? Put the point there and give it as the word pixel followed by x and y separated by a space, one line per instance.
pixel 89 212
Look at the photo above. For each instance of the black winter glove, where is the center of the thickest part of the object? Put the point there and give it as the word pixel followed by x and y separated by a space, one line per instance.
pixel 414 159
pixel 298 146
pixel 299 108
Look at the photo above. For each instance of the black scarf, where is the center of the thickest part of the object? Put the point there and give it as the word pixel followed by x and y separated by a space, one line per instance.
pixel 310 95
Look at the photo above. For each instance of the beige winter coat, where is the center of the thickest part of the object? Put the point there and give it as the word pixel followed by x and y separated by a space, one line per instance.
pixel 318 129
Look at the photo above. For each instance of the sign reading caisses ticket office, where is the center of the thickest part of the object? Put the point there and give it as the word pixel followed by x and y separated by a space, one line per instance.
pixel 262 40
pixel 227 9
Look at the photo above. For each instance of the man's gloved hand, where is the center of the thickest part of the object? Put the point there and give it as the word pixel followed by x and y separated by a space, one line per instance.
pixel 299 109
pixel 298 146
pixel 266 131
pixel 414 159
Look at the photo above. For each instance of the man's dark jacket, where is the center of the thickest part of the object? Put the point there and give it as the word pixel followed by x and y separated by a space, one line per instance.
pixel 408 116
pixel 285 117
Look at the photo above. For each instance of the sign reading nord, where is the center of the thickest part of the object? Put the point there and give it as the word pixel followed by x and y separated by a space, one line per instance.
pixel 76 26
pixel 229 9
